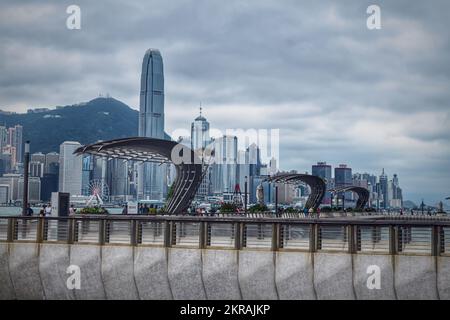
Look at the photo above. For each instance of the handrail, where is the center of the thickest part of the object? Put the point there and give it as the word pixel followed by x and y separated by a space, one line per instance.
pixel 382 234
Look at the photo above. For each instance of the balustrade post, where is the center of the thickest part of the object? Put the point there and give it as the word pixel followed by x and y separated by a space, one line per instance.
pixel 237 236
pixel 275 235
pixel 40 230
pixel 134 233
pixel 11 229
pixel 436 241
pixel 314 238
pixel 167 234
pixel 201 237
pixel 102 232
pixel 71 231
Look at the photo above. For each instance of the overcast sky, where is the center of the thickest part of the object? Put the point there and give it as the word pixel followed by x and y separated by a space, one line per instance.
pixel 338 92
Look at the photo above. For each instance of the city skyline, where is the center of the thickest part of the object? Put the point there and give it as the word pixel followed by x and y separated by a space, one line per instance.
pixel 340 93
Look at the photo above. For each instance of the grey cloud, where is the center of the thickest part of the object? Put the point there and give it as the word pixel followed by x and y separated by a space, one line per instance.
pixel 311 68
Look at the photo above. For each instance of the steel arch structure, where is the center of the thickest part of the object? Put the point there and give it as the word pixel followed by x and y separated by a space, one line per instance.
pixel 363 195
pixel 141 149
pixel 317 185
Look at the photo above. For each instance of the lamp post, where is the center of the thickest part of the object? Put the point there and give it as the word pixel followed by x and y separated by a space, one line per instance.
pixel 276 200
pixel 245 195
pixel 25 178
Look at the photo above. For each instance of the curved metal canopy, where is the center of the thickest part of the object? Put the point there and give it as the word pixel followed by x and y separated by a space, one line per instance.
pixel 317 185
pixel 363 195
pixel 141 149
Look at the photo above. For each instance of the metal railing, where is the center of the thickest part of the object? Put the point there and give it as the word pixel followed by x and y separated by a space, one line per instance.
pixel 370 235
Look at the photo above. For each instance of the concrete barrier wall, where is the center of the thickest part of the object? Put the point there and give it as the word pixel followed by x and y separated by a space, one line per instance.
pixel 53 262
pixel 443 277
pixel 257 275
pixel 294 276
pixel 150 273
pixel 415 277
pixel 6 287
pixel 118 273
pixel 24 271
pixel 33 271
pixel 333 276
pixel 88 258
pixel 371 268
pixel 220 274
pixel 185 274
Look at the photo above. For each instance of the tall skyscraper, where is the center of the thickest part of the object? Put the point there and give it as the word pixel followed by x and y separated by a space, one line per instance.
pixel 52 163
pixel 151 176
pixel 323 170
pixel 3 138
pixel 343 178
pixel 225 167
pixel 383 190
pixel 15 141
pixel 200 133
pixel 151 107
pixel 200 140
pixel 70 168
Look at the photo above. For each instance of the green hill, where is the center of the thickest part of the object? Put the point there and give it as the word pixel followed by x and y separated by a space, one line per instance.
pixel 98 119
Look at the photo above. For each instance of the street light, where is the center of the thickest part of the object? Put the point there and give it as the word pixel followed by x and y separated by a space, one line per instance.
pixel 25 179
pixel 245 195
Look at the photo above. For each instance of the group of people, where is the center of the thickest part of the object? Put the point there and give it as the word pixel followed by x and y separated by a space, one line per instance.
pixel 311 211
pixel 46 210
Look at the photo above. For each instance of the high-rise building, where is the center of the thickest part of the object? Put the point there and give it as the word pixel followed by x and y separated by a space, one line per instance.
pixel 383 191
pixel 34 189
pixel 323 170
pixel 3 138
pixel 200 140
pixel 38 157
pixel 51 163
pixel 395 193
pixel 152 183
pixel 12 180
pixel 15 141
pixel 224 175
pixel 343 178
pixel 70 168
pixel 200 133
pixel 36 169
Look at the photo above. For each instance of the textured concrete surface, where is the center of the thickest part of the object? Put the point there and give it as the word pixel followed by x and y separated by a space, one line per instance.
pixel 6 287
pixel 150 273
pixel 415 277
pixel 88 258
pixel 333 276
pixel 118 274
pixel 294 276
pixel 185 274
pixel 53 262
pixel 220 274
pixel 30 271
pixel 443 277
pixel 257 275
pixel 361 263
pixel 24 271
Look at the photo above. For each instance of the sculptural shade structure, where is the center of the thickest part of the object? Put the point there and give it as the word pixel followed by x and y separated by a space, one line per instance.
pixel 317 185
pixel 363 195
pixel 140 149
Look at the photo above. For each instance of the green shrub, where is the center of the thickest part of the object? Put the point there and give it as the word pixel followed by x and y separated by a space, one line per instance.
pixel 92 210
pixel 228 207
pixel 258 208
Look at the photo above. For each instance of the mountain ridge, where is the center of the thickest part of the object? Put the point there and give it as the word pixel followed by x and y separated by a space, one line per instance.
pixel 102 118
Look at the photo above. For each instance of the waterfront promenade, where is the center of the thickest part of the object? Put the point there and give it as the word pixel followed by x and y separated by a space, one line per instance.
pixel 225 257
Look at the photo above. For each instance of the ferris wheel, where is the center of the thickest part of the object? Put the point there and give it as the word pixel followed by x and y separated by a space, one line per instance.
pixel 98 191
